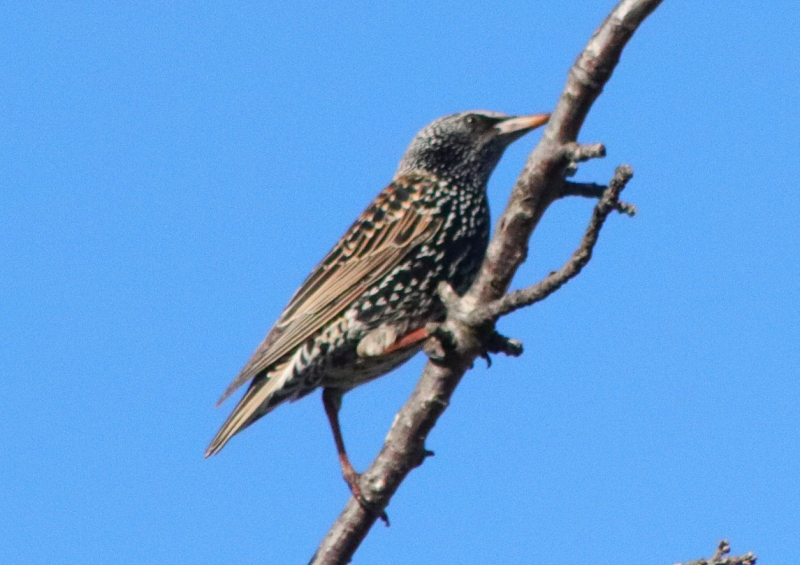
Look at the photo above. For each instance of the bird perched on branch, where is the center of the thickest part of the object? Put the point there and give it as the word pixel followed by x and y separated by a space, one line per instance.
pixel 363 310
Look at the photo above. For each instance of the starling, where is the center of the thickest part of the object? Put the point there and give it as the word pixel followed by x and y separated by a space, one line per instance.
pixel 363 310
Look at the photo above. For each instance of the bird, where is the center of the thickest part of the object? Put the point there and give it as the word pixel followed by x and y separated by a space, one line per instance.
pixel 363 310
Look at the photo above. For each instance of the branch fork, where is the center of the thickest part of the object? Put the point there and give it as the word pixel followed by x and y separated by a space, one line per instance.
pixel 463 311
pixel 443 340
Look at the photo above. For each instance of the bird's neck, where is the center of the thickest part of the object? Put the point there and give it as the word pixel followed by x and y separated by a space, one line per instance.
pixel 467 181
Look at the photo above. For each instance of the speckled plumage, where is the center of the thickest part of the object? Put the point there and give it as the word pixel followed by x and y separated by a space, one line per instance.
pixel 344 326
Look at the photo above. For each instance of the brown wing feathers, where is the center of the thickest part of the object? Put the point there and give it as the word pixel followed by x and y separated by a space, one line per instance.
pixel 374 245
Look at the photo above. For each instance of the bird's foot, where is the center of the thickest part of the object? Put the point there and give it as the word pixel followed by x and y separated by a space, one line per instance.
pixel 491 341
pixel 352 479
pixel 436 349
pixel 498 343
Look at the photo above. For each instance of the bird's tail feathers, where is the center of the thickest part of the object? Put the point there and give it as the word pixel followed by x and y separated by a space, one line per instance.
pixel 257 401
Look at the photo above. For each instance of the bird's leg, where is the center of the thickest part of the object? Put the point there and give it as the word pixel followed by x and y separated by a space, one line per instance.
pixel 332 400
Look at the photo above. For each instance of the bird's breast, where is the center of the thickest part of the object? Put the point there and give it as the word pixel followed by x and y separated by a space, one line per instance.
pixel 454 254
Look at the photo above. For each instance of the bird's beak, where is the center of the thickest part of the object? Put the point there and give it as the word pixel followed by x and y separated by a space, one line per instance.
pixel 521 124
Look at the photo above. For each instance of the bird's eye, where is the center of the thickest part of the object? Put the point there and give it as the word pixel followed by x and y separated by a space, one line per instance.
pixel 470 120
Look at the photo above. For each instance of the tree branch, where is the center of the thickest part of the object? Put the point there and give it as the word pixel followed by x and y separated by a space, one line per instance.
pixel 722 557
pixel 540 183
pixel 555 280
pixel 594 190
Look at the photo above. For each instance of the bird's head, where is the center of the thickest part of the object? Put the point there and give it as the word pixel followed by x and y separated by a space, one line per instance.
pixel 466 147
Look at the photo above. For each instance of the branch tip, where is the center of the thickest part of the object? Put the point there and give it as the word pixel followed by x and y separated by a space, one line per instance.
pixel 627 208
pixel 723 549
pixel 594 190
pixel 577 153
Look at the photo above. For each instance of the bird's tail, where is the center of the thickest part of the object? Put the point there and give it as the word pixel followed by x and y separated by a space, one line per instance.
pixel 259 400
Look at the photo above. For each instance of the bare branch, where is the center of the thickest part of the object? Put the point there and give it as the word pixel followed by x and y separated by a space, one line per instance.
pixel 577 153
pixel 539 184
pixel 555 280
pixel 722 557
pixel 594 190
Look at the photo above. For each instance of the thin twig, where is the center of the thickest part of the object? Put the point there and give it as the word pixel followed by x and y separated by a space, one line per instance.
pixel 555 280
pixel 594 190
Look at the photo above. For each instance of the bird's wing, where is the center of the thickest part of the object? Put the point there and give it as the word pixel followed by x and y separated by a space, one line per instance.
pixel 379 240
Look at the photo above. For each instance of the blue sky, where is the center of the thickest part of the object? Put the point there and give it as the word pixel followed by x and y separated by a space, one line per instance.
pixel 170 173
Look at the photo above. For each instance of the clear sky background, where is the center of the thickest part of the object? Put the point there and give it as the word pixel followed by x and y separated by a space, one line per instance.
pixel 169 173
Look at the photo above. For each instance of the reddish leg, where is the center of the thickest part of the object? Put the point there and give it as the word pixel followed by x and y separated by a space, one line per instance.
pixel 332 400
pixel 409 339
